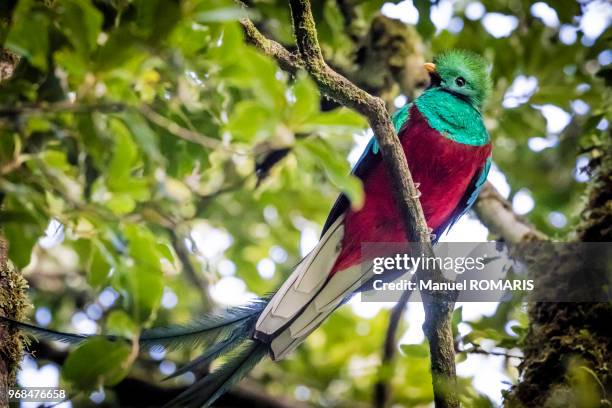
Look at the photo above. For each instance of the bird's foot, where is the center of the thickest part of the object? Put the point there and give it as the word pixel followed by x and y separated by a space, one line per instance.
pixel 432 236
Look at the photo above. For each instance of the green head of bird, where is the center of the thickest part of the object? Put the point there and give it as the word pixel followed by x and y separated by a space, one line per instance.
pixel 462 73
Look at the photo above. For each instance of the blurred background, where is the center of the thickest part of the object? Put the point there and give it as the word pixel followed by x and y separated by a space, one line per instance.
pixel 155 167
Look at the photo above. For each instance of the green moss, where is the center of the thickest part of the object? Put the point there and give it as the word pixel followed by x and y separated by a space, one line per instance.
pixel 13 304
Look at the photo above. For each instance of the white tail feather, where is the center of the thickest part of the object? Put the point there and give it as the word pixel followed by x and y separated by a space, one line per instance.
pixel 341 285
pixel 322 304
pixel 304 283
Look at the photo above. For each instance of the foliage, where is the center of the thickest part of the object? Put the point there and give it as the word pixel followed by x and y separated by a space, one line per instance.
pixel 137 127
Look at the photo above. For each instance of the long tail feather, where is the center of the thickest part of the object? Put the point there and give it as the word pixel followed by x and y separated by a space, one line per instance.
pixel 171 336
pixel 231 329
pixel 207 390
pixel 229 343
pixel 45 333
pixel 207 327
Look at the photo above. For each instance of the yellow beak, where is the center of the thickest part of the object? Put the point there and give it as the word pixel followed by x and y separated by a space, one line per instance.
pixel 430 67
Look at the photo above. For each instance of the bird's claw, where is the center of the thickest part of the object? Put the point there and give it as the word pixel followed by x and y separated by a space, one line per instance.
pixel 432 236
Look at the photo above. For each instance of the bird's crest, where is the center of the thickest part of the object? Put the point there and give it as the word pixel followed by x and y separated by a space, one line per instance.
pixel 466 74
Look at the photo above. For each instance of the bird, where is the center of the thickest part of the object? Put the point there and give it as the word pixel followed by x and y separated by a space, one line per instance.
pixel 448 150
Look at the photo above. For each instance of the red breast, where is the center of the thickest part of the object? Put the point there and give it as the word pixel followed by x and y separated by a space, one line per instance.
pixel 442 168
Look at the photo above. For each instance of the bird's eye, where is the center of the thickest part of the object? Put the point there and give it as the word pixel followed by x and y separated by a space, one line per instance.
pixel 460 81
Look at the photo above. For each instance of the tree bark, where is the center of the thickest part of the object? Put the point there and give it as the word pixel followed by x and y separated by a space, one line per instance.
pixel 13 287
pixel 568 348
pixel 13 303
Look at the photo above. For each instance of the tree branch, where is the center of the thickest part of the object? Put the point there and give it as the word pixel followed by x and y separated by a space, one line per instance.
pixel 477 349
pixel 438 312
pixel 189 269
pixel 286 59
pixel 382 387
pixel 184 133
pixel 556 344
pixel 497 215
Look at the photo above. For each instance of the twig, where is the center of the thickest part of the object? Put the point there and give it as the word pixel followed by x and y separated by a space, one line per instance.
pixel 190 270
pixel 146 111
pixel 437 312
pixel 184 133
pixel 58 107
pixel 14 164
pixel 205 199
pixel 476 349
pixel 381 388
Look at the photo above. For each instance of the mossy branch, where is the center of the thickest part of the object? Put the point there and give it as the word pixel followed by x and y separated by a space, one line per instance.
pixel 13 303
pixel 286 59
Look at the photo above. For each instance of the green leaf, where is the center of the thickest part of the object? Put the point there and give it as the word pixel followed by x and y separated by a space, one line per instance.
pixel 29 34
pixel 425 26
pixel 124 162
pixel 156 18
pixel 81 22
pixel 306 100
pixel 21 238
pixel 457 318
pixel 142 277
pixel 340 120
pixel 251 121
pixel 145 288
pixel 253 71
pixel 415 350
pixel 336 168
pixel 56 160
pixel 143 246
pixel 118 323
pixel 460 357
pixel 125 154
pixel 97 362
pixel 166 252
pixel 146 139
pixel 98 266
pixel 519 330
pixel 121 203
pixel 72 63
pixel 219 15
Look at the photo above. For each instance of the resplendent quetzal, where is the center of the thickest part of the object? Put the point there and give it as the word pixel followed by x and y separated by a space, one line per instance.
pixel 449 154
